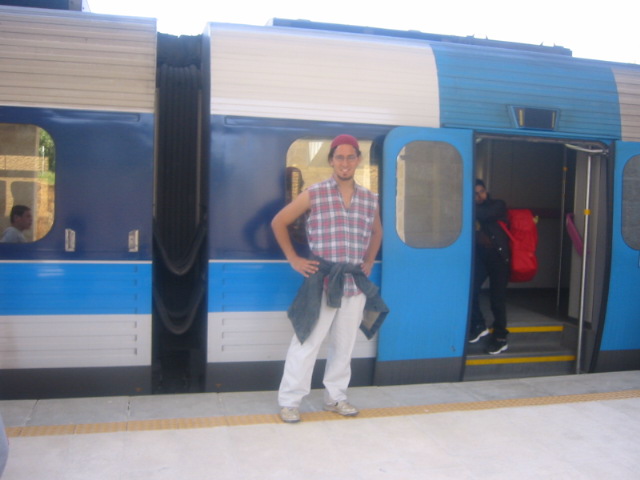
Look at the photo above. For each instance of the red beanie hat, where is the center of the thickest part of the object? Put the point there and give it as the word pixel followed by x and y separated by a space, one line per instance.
pixel 345 139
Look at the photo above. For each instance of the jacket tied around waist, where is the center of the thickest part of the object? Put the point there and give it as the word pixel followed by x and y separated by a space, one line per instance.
pixel 305 309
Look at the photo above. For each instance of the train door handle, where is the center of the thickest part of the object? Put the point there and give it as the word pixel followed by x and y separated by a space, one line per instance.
pixel 134 240
pixel 69 240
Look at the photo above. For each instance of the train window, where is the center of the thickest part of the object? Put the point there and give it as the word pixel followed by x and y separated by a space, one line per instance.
pixel 631 203
pixel 27 179
pixel 429 194
pixel 307 163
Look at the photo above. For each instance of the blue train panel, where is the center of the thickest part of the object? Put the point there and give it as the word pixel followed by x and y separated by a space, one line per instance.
pixel 480 87
pixel 247 180
pixel 256 286
pixel 59 288
pixel 103 188
pixel 622 327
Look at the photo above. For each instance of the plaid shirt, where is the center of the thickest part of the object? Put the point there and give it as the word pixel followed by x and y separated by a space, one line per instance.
pixel 337 233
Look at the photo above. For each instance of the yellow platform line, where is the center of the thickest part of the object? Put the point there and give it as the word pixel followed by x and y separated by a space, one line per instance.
pixel 512 360
pixel 238 420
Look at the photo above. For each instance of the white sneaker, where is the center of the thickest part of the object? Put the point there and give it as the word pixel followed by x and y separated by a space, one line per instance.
pixel 342 408
pixel 478 334
pixel 289 414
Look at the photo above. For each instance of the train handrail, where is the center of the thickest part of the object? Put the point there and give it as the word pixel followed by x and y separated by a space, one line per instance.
pixel 574 235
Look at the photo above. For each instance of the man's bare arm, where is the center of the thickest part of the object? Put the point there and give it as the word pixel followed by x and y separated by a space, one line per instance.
pixel 279 224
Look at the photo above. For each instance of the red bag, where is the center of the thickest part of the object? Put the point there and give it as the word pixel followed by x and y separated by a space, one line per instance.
pixel 523 236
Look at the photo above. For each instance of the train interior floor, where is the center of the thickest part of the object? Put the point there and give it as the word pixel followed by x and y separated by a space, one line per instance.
pixel 575 426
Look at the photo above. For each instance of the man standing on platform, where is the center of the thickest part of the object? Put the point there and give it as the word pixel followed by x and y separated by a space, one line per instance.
pixel 344 232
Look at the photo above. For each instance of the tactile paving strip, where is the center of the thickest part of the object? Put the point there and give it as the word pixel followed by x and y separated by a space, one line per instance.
pixel 228 421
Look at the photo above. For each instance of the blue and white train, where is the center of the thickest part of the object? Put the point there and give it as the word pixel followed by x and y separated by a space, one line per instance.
pixel 154 164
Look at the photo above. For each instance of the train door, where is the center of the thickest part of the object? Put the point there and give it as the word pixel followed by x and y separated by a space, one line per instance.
pixel 426 213
pixel 590 246
pixel 620 341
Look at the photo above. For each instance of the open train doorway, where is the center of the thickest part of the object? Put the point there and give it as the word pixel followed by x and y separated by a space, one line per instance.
pixel 552 319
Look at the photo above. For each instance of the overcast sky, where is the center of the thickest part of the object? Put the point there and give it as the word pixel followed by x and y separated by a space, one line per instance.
pixel 604 30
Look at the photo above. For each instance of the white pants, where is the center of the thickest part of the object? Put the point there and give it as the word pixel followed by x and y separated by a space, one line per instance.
pixel 342 324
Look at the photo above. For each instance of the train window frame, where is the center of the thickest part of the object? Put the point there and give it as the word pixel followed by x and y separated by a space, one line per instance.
pixel 631 202
pixel 307 163
pixel 429 194
pixel 27 176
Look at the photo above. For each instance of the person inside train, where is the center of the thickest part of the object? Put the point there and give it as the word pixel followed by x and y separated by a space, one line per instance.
pixel 491 260
pixel 21 220
pixel 335 308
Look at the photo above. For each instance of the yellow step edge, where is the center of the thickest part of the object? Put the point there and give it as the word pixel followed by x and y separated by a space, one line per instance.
pixel 549 328
pixel 505 360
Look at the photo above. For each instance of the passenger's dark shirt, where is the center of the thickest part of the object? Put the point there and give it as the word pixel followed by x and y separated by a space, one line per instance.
pixel 490 234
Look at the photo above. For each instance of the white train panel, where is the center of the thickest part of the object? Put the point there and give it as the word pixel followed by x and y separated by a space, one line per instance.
pixel 261 336
pixel 628 81
pixel 322 76
pixel 77 60
pixel 67 341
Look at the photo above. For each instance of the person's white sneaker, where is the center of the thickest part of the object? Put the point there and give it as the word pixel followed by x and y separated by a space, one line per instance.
pixel 478 334
pixel 289 414
pixel 342 408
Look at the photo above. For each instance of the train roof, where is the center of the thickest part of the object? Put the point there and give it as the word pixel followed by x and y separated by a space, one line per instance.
pixel 76 5
pixel 417 35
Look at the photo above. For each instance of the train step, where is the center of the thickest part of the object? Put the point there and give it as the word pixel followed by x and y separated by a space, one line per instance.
pixel 534 350
pixel 550 334
pixel 505 366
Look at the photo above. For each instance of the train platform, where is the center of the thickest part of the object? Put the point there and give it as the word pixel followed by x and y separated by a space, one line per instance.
pixel 572 427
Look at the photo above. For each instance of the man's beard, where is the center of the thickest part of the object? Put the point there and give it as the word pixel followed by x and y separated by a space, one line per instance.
pixel 344 179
